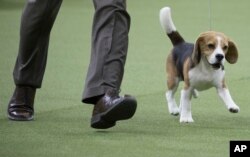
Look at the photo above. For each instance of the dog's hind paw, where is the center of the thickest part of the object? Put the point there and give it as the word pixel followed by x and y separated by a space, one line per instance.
pixel 174 111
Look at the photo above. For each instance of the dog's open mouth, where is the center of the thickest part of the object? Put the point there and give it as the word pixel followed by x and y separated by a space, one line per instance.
pixel 217 66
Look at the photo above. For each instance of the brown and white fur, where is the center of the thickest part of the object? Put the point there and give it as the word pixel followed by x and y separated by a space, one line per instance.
pixel 199 65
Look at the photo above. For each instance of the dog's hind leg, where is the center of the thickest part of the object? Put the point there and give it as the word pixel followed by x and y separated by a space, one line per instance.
pixel 172 83
pixel 195 93
pixel 172 105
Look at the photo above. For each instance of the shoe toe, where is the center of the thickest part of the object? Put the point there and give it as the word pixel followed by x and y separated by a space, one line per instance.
pixel 20 115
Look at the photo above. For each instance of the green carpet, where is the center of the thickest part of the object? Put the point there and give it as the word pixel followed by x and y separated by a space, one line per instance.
pixel 61 126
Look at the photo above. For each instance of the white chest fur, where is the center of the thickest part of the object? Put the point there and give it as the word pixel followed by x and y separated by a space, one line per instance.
pixel 203 77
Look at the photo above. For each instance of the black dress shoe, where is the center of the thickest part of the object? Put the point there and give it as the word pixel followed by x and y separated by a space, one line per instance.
pixel 20 107
pixel 111 108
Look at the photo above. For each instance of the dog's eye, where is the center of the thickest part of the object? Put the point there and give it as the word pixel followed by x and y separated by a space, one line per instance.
pixel 211 46
pixel 225 47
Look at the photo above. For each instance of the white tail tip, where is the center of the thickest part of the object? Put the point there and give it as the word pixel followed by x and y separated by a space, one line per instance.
pixel 166 20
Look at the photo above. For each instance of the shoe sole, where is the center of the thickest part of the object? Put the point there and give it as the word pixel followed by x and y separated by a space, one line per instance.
pixel 121 111
pixel 20 118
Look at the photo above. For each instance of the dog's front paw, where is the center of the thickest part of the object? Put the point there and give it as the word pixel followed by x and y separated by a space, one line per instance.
pixel 234 109
pixel 186 119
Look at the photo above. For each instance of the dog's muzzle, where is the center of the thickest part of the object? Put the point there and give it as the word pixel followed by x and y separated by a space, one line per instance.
pixel 218 64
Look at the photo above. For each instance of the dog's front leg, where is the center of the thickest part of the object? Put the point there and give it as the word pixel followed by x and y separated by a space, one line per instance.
pixel 185 106
pixel 227 99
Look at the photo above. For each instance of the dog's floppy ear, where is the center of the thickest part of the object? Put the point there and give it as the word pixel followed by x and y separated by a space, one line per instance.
pixel 196 55
pixel 232 53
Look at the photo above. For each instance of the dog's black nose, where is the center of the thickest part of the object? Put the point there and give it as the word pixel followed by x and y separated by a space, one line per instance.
pixel 219 57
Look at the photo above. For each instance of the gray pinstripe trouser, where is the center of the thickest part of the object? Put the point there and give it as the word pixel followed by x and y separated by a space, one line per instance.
pixel 108 53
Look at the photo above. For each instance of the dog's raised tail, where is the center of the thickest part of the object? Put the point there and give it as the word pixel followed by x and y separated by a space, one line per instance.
pixel 169 27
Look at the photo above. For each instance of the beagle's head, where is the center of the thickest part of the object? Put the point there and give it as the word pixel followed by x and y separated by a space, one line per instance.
pixel 215 48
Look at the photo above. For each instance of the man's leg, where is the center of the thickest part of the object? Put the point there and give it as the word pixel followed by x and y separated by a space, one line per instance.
pixel 36 23
pixel 108 55
pixel 109 48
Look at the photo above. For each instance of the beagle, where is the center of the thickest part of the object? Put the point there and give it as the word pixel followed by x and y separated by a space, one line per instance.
pixel 199 65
